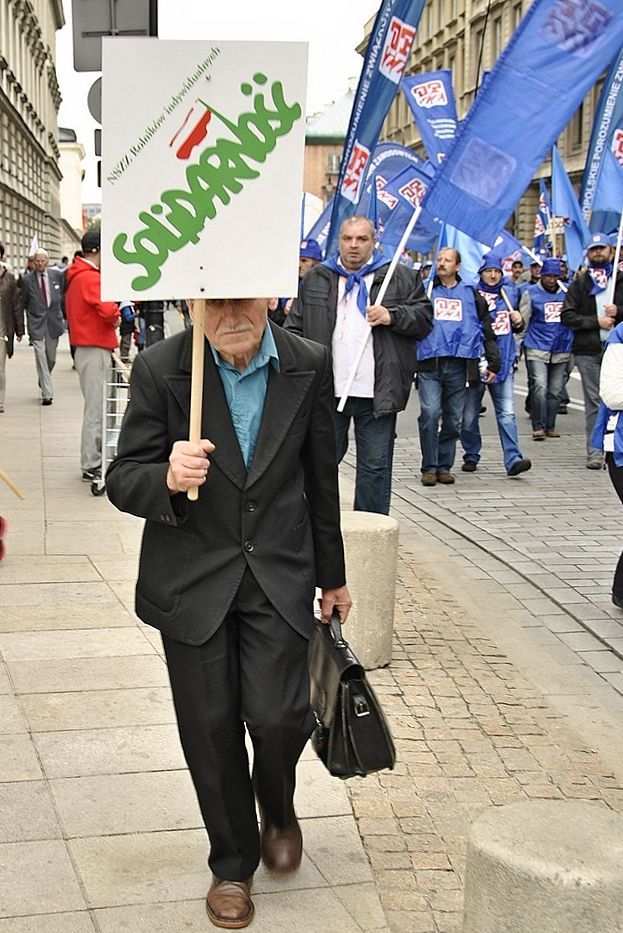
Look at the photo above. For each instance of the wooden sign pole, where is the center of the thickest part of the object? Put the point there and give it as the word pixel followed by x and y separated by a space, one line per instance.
pixel 196 381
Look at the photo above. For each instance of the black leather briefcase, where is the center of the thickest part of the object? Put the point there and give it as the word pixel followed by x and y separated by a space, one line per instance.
pixel 352 736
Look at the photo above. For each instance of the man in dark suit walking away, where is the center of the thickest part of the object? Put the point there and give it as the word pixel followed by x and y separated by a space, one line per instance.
pixel 42 300
pixel 229 579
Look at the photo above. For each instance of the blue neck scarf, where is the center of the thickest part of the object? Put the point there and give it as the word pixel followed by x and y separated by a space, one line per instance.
pixel 492 289
pixel 600 276
pixel 357 278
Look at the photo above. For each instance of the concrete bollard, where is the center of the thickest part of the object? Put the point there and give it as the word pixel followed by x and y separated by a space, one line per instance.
pixel 546 866
pixel 371 546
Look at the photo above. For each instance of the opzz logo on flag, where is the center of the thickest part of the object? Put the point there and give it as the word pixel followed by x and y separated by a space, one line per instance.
pixel 396 50
pixel 501 323
pixel 385 197
pixel 448 309
pixel 617 145
pixel 355 172
pixel 413 192
pixel 490 298
pixel 575 25
pixel 430 94
pixel 552 312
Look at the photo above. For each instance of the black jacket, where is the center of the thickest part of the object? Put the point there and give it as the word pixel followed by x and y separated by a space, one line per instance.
pixel 579 314
pixel 314 313
pixel 281 518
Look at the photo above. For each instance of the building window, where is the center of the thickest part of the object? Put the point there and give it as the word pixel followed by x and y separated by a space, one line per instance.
pixel 576 129
pixel 496 39
pixel 477 40
pixel 517 15
pixel 333 163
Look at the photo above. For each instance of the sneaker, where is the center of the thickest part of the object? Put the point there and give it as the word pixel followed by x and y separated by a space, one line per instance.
pixel 594 462
pixel 3 537
pixel 519 466
pixel 562 410
pixel 46 401
pixel 446 478
pixel 617 601
pixel 469 466
pixel 428 479
pixel 552 432
pixel 483 410
pixel 538 434
pixel 91 476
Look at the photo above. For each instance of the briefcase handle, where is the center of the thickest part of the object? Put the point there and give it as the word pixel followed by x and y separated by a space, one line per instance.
pixel 336 630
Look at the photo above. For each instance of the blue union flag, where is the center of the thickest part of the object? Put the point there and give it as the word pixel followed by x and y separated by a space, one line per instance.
pixel 554 57
pixel 431 99
pixel 387 54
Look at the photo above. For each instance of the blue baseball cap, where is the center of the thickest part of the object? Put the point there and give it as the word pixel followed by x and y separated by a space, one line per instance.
pixel 309 249
pixel 491 261
pixel 597 239
pixel 551 267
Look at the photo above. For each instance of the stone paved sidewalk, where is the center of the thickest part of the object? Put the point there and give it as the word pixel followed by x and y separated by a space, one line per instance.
pixel 471 732
pixel 99 829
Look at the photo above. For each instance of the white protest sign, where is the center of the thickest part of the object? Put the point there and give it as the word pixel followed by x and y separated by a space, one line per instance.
pixel 202 168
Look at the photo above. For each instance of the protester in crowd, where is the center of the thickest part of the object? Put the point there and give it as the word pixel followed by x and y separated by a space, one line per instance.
pixel 547 348
pixel 587 313
pixel 517 270
pixel 42 300
pixel 446 360
pixel 505 321
pixel 310 255
pixel 229 580
pixel 608 434
pixel 11 322
pixel 92 325
pixel 337 307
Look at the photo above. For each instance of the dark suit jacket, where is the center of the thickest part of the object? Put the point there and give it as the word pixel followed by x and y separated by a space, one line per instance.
pixel 281 518
pixel 43 319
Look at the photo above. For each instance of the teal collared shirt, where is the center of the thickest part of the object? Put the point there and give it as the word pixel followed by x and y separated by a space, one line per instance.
pixel 246 391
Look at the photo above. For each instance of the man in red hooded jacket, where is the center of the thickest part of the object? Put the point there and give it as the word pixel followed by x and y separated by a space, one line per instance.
pixel 92 329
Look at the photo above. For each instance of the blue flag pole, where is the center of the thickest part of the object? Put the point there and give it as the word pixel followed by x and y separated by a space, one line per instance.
pixel 379 301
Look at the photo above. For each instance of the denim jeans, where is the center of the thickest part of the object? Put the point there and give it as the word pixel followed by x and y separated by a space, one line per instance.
pixel 442 396
pixel 545 383
pixel 504 406
pixel 588 367
pixel 374 438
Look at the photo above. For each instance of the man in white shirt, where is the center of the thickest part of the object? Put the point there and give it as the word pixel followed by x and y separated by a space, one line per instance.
pixel 336 307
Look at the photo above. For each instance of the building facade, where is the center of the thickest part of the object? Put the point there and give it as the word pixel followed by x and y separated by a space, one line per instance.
pixel 324 142
pixel 467 37
pixel 29 152
pixel 72 216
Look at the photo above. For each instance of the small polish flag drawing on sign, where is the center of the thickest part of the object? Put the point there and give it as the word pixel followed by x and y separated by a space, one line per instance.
pixel 430 94
pixel 355 172
pixel 448 309
pixel 501 323
pixel 396 50
pixel 552 312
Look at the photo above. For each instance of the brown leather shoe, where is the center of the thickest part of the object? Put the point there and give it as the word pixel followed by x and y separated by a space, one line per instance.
pixel 229 903
pixel 282 849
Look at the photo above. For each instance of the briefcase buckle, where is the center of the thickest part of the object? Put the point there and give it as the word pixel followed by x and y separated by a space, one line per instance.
pixel 360 706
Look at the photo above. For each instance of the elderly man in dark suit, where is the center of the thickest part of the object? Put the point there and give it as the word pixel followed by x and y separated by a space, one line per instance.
pixel 42 300
pixel 229 579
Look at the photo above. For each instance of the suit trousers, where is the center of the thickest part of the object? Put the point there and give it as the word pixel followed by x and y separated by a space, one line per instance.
pixel 252 672
pixel 45 360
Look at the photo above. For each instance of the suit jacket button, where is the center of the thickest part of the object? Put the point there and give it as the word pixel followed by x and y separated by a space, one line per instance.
pixel 248 546
pixel 250 506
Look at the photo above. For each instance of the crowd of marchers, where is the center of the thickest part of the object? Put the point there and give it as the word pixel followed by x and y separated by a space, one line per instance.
pixel 455 341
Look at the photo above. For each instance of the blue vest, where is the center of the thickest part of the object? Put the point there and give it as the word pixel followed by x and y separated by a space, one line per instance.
pixel 605 413
pixel 545 332
pixel 501 324
pixel 457 330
